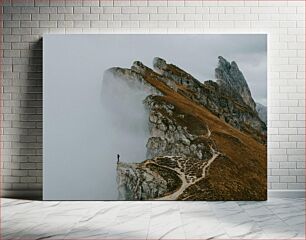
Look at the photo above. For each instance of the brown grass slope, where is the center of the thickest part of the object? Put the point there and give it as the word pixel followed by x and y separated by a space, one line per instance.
pixel 239 173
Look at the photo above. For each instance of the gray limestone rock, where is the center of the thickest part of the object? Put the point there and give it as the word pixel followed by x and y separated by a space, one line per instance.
pixel 262 112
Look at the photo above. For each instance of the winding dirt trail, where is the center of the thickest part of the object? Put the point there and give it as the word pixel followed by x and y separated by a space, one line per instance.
pixel 185 183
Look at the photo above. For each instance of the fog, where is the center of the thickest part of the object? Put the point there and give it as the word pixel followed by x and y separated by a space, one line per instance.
pixel 125 120
pixel 89 117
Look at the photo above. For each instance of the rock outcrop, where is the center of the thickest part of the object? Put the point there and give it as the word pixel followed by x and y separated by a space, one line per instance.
pixel 229 97
pixel 230 77
pixel 262 112
pixel 207 141
pixel 170 135
pixel 138 182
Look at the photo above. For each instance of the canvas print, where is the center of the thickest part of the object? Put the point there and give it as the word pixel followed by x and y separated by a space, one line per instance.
pixel 155 117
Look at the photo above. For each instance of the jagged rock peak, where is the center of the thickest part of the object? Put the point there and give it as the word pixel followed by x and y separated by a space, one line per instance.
pixel 139 67
pixel 174 73
pixel 223 63
pixel 229 74
pixel 159 63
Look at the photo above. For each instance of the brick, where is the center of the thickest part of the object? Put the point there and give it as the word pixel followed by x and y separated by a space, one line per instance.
pixel 287 165
pixel 287 131
pixel 166 10
pixel 202 10
pixel 29 24
pixel 48 10
pixel 105 17
pixel 217 10
pixel 287 179
pixel 91 3
pixel 279 186
pixel 57 3
pixel 296 186
pixel 185 10
pixel 111 10
pixel 73 17
pixel 185 24
pixel 63 10
pixel 121 17
pixel 35 173
pixel 81 24
pixel 196 3
pixel 11 179
pixel 21 16
pixel 161 17
pixel 148 24
pixel 140 17
pixel 91 17
pixel 228 17
pixel 167 24
pixel 300 165
pixel 222 24
pixel 299 157
pixel 157 3
pixel 300 179
pixel 40 31
pixel 19 173
pixel 139 3
pixel 65 24
pixel 21 31
pixel 191 17
pixel 280 172
pixel 81 10
pixel 47 24
pixel 176 17
pixel 57 17
pixel 11 9
pixel 147 9
pixel 273 165
pixel 25 3
pixel 74 3
pixel 130 24
pixel 273 179
pixel 28 179
pixel 230 3
pixel 295 172
pixel 129 10
pixel 96 10
pixel 98 24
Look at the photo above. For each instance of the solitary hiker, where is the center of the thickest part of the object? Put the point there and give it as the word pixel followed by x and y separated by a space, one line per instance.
pixel 118 156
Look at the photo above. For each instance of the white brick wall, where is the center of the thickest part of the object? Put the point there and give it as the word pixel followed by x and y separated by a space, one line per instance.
pixel 24 22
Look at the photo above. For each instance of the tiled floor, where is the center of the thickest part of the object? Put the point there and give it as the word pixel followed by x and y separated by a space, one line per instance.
pixel 274 219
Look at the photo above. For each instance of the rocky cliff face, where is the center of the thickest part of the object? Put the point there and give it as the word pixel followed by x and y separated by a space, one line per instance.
pixel 262 112
pixel 229 76
pixel 206 141
pixel 138 182
pixel 171 135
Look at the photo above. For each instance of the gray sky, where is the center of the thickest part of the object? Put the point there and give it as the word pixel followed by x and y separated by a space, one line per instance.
pixel 80 145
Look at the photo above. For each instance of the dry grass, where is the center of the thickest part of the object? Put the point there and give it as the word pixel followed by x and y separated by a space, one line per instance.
pixel 240 172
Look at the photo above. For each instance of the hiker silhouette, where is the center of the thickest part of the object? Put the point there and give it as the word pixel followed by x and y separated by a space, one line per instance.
pixel 118 157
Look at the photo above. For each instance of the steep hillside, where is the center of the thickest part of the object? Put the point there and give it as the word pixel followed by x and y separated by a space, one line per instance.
pixel 206 140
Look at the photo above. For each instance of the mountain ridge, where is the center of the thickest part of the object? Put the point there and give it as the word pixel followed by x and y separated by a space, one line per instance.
pixel 185 127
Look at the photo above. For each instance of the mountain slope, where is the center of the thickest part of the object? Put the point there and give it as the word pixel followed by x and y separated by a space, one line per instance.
pixel 193 153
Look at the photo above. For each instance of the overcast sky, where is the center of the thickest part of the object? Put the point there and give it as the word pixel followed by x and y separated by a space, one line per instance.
pixel 80 146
